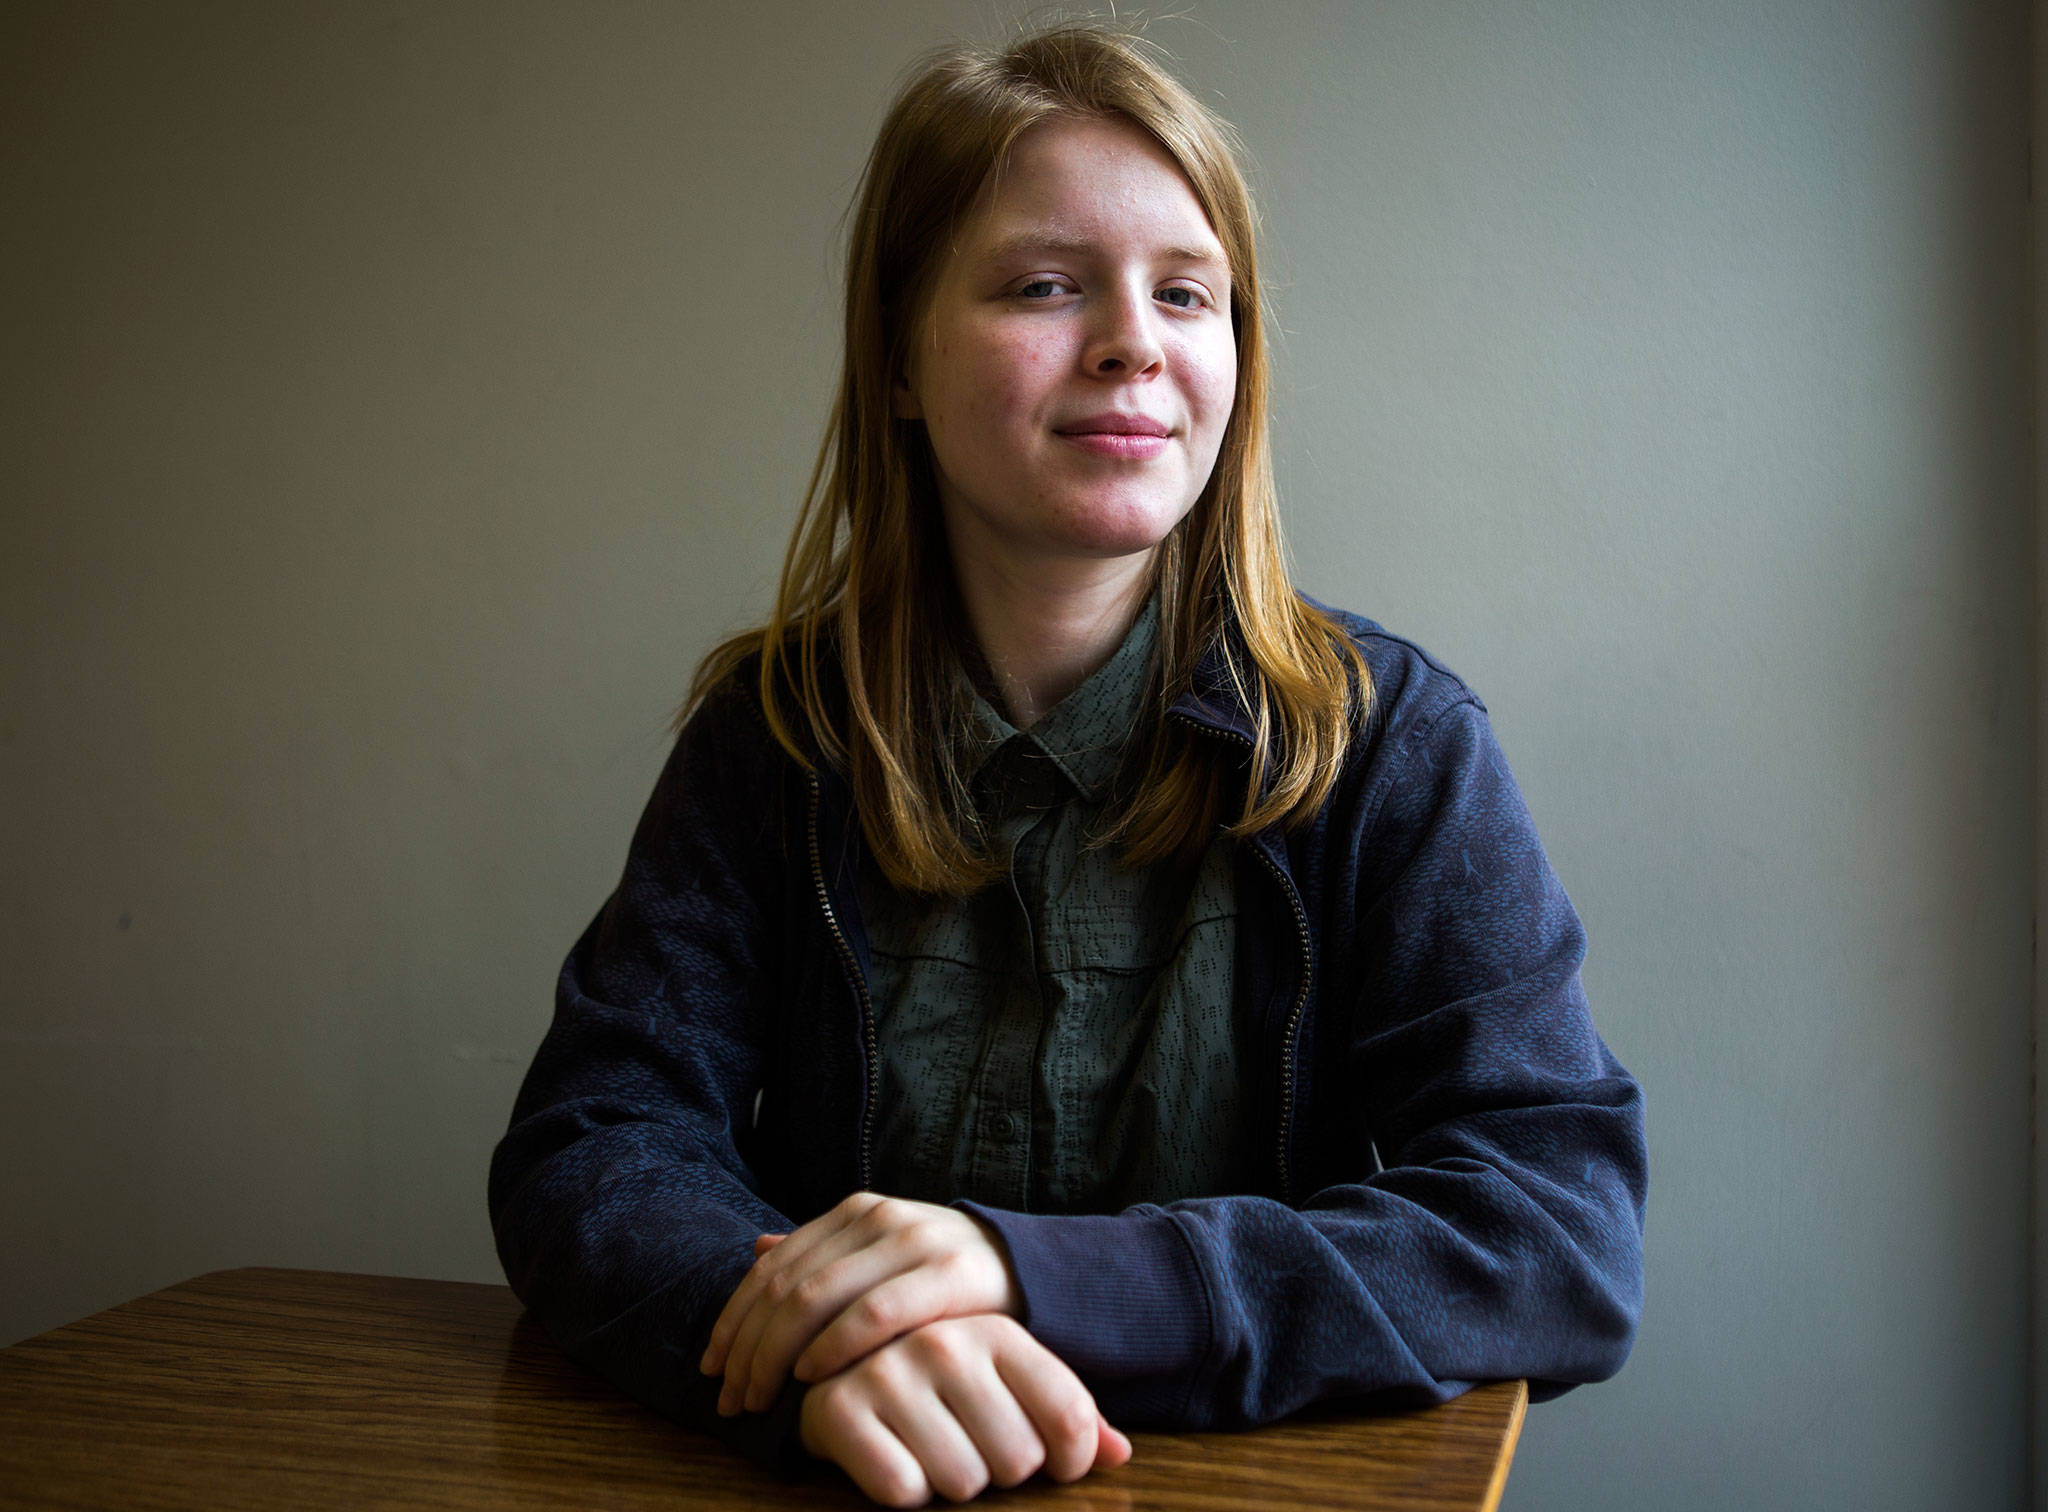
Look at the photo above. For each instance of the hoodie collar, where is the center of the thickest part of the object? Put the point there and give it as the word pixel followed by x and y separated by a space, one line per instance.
pixel 1213 700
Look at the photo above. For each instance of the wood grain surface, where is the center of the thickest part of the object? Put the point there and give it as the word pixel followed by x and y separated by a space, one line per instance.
pixel 306 1389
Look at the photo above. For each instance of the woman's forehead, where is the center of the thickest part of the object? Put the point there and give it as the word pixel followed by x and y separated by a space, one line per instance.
pixel 1073 187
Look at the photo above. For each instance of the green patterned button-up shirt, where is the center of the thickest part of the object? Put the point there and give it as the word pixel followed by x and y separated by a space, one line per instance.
pixel 1065 1040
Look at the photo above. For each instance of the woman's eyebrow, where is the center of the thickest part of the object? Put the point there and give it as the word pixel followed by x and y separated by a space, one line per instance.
pixel 1021 243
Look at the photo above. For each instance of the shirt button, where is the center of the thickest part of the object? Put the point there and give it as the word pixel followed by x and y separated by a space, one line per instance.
pixel 1005 1125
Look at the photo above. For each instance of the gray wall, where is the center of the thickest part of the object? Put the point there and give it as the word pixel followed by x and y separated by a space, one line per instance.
pixel 2037 1295
pixel 396 399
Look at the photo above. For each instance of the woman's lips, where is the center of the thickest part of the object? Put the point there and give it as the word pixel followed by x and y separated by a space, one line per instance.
pixel 1115 443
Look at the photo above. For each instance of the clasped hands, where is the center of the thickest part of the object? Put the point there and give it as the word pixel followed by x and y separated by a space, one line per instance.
pixel 903 1316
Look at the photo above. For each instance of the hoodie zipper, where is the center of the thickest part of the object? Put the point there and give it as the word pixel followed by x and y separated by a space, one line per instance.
pixel 1291 1029
pixel 860 987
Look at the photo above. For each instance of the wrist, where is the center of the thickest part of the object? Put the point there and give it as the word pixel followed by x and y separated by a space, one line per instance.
pixel 1012 1300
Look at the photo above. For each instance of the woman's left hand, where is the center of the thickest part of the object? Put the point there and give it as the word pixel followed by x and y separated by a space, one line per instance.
pixel 845 1284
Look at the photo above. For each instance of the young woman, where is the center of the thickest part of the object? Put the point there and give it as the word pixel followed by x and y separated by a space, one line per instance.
pixel 1062 974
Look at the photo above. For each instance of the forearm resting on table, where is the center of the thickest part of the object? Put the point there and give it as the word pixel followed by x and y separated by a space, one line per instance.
pixel 902 1315
pixel 846 1283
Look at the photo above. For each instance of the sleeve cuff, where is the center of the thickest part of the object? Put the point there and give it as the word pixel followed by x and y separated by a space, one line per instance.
pixel 773 1438
pixel 639 1353
pixel 1115 1296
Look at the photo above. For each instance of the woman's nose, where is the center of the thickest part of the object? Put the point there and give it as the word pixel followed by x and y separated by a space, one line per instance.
pixel 1122 340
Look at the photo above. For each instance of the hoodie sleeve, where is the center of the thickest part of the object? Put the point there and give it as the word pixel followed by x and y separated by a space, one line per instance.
pixel 623 1211
pixel 1503 1236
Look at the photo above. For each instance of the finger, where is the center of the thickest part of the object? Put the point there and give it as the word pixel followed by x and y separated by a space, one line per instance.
pixel 884 1310
pixel 989 1413
pixel 836 1278
pixel 878 1461
pixel 943 1449
pixel 757 1277
pixel 739 1357
pixel 736 1308
pixel 1058 1405
pixel 766 1243
pixel 792 1304
pixel 767 1264
pixel 1112 1448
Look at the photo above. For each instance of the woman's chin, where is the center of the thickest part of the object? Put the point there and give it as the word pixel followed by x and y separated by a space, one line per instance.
pixel 1119 530
pixel 1079 525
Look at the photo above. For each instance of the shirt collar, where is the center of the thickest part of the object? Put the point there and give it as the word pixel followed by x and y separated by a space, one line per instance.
pixel 1083 735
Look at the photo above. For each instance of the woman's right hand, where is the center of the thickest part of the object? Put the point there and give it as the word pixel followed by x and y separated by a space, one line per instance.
pixel 954 1407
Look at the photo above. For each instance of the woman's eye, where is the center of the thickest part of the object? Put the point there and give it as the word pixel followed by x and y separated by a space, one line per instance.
pixel 1178 296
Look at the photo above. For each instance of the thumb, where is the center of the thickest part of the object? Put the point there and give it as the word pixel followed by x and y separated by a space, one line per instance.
pixel 1111 1447
pixel 766 1243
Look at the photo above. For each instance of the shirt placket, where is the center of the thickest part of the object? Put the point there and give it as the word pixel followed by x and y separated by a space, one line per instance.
pixel 1004 1084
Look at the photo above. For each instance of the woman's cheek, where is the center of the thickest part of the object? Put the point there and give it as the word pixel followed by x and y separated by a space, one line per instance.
pixel 1007 402
pixel 1216 392
pixel 1026 361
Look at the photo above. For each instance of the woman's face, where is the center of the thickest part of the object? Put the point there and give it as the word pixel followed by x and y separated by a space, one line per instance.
pixel 1076 366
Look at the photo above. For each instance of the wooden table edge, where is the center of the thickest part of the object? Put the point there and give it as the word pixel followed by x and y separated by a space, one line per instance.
pixel 1496 1487
pixel 1499 1484
pixel 236 1278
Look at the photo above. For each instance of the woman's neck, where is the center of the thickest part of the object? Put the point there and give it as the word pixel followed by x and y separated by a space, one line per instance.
pixel 1044 626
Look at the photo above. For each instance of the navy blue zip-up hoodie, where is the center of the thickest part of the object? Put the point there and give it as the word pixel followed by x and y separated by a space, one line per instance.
pixel 1455 1167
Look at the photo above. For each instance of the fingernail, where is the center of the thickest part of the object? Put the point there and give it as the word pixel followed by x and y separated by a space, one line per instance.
pixel 726 1406
pixel 705 1364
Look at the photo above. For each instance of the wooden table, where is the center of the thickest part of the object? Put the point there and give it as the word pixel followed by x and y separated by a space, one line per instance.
pixel 305 1389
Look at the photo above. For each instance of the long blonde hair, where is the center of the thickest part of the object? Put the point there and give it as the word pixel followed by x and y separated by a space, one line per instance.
pixel 866 587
